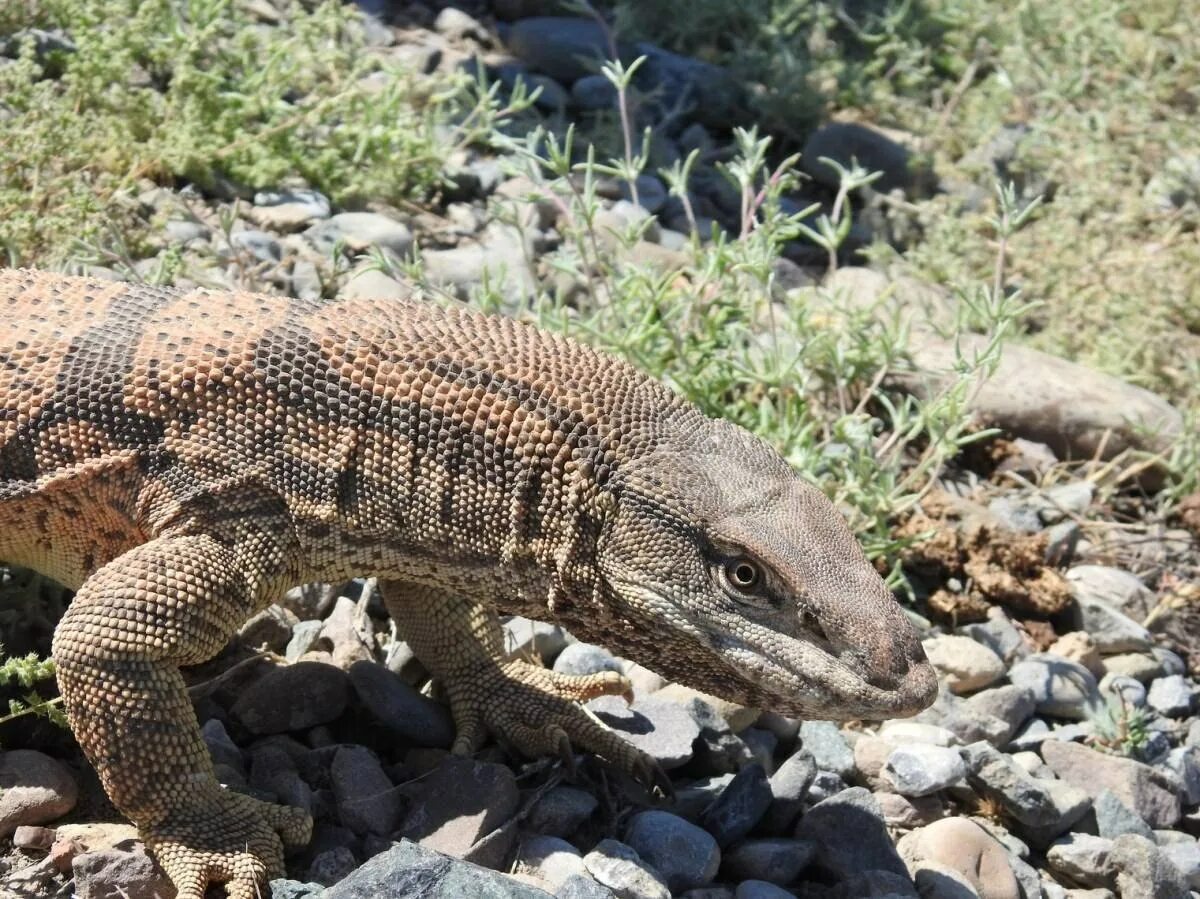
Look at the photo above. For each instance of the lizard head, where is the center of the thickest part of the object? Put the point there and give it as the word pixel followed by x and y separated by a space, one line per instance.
pixel 730 573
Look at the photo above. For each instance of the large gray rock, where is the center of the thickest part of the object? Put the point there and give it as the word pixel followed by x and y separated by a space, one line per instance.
pixel 622 870
pixel 458 804
pixel 739 808
pixel 789 786
pixel 918 769
pixel 828 748
pixel 366 800
pixel 1043 809
pixel 400 709
pixel 1115 586
pixel 966 665
pixel 773 859
pixel 850 835
pixel 295 697
pixel 124 871
pixel 684 855
pixel 1144 871
pixel 1082 858
pixel 1075 410
pixel 849 142
pixel 1060 687
pixel 1149 792
pixel 656 725
pixel 409 871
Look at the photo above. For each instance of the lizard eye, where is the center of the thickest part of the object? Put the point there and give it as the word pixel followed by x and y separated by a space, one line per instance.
pixel 742 574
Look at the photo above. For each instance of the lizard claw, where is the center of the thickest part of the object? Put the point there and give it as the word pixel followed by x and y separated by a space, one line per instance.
pixel 537 712
pixel 227 838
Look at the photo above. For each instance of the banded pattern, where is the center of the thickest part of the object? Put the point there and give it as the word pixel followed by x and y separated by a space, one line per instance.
pixel 182 457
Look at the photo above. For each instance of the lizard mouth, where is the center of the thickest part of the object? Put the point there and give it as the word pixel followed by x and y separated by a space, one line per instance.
pixel 806 679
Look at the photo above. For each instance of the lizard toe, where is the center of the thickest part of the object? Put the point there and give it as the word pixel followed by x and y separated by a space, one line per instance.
pixel 226 838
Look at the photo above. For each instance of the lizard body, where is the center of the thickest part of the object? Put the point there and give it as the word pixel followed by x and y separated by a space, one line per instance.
pixel 181 458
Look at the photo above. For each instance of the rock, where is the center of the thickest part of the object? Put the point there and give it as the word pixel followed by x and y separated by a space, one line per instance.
pixel 1184 761
pixel 549 859
pixel 582 886
pixel 1116 588
pixel 29 837
pixel 906 812
pixel 458 804
pixel 270 629
pixel 1080 648
pixel 619 868
pixel 966 848
pixel 125 871
pixel 1044 809
pixel 998 634
pixel 876 884
pixel 918 770
pixel 1012 704
pixel 775 860
pixel 1140 666
pixel 564 48
pixel 789 785
pixel 34 789
pixel 456 25
pixel 562 811
pixel 1078 412
pixel 1147 791
pixel 1185 856
pixel 824 742
pixel 289 209
pixel 966 665
pixel 366 800
pixel 498 258
pixel 1070 499
pixel 709 93
pixel 369 283
pixel 850 835
pixel 360 232
pixel 408 870
pixel 655 725
pixel 291 698
pixel 260 245
pixel 1114 817
pixel 737 810
pixel 1060 687
pixel 1082 858
pixel 1017 513
pixel 849 142
pixel 332 865
pixel 757 889
pixel 186 232
pixel 592 92
pixel 1112 630
pixel 1171 696
pixel 684 855
pixel 294 889
pixel 523 636
pixel 1124 689
pixel 825 785
pixel 221 747
pixel 399 709
pixel 585 658
pixel 1144 872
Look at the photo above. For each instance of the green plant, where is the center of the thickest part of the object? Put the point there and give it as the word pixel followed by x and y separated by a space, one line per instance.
pixel 1121 727
pixel 25 672
pixel 196 90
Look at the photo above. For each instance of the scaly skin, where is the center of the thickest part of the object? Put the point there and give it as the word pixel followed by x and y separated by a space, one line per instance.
pixel 181 458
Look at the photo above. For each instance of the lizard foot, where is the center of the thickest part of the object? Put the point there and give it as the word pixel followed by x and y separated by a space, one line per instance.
pixel 538 712
pixel 227 838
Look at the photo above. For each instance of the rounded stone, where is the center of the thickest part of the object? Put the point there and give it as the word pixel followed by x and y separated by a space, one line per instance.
pixel 685 855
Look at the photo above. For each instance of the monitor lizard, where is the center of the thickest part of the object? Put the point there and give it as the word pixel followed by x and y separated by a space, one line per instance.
pixel 182 457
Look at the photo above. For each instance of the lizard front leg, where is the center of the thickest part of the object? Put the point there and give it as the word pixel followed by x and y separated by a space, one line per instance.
pixel 170 602
pixel 535 710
